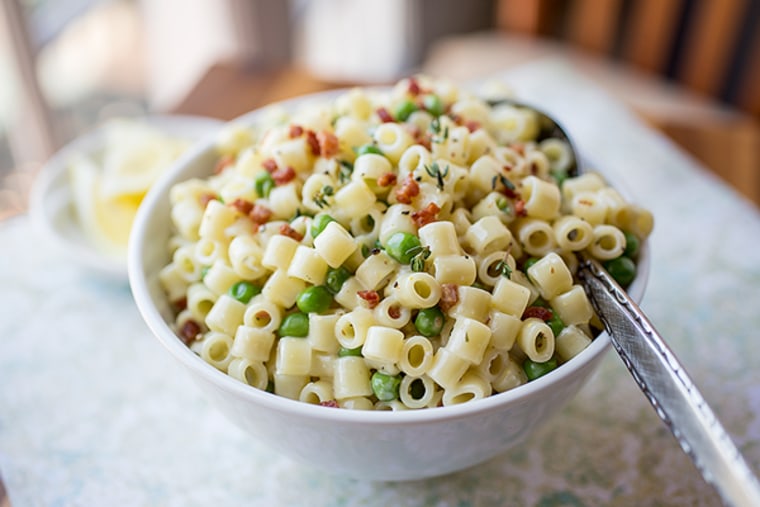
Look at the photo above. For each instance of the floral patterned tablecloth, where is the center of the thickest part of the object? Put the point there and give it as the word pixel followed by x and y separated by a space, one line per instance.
pixel 92 412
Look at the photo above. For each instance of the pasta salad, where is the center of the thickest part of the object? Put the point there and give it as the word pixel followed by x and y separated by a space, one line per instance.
pixel 399 249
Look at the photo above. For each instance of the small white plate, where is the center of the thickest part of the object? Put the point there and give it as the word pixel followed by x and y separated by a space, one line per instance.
pixel 51 201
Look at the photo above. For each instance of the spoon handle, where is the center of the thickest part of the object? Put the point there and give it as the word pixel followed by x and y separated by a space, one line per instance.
pixel 669 389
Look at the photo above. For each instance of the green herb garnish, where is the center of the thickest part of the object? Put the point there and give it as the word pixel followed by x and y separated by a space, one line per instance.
pixel 434 171
pixel 320 197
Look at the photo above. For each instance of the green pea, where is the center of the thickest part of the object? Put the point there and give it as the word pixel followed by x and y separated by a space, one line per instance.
pixel 344 352
pixel 296 324
pixel 335 278
pixel 631 245
pixel 560 177
pixel 263 183
pixel 314 299
pixel 529 262
pixel 556 324
pixel 429 321
pixel 433 104
pixel 319 223
pixel 405 109
pixel 385 386
pixel 622 269
pixel 402 246
pixel 243 291
pixel 368 148
pixel 533 370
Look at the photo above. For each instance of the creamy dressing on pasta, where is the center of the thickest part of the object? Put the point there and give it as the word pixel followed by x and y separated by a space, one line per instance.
pixel 407 249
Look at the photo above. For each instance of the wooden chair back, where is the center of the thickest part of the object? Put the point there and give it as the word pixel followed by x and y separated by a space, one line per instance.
pixel 709 46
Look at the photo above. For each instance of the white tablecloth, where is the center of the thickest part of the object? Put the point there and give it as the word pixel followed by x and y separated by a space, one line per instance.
pixel 93 413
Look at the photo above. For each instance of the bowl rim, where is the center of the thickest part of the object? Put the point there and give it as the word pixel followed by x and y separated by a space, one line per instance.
pixel 138 278
pixel 51 180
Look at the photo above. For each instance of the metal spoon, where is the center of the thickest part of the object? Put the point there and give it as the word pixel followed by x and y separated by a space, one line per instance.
pixel 657 371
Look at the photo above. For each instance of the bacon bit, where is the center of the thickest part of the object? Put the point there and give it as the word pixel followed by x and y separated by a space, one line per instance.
pixel 413 130
pixel 456 118
pixel 408 190
pixel 520 210
pixel 420 137
pixel 287 230
pixel 585 202
pixel 313 142
pixel 328 144
pixel 282 176
pixel 180 304
pixel 537 312
pixel 384 115
pixel 295 131
pixel 386 180
pixel 223 163
pixel 508 192
pixel 426 215
pixel 269 165
pixel 394 312
pixel 260 214
pixel 507 168
pixel 371 297
pixel 472 125
pixel 449 296
pixel 206 198
pixel 414 87
pixel 329 403
pixel 189 332
pixel 519 148
pixel 244 206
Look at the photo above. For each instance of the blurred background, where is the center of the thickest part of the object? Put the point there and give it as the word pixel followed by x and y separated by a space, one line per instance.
pixel 690 68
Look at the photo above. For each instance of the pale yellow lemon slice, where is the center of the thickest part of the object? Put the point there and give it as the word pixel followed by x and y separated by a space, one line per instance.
pixel 134 157
pixel 108 187
pixel 105 221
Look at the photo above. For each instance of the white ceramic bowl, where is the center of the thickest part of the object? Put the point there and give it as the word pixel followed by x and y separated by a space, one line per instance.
pixel 370 445
pixel 51 201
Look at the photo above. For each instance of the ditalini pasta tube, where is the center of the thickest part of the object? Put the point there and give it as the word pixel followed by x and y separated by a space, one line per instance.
pixel 393 250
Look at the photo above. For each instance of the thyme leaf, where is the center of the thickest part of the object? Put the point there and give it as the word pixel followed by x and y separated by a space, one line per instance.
pixel 441 134
pixel 503 268
pixel 420 255
pixel 434 171
pixel 507 184
pixel 344 171
pixel 320 196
